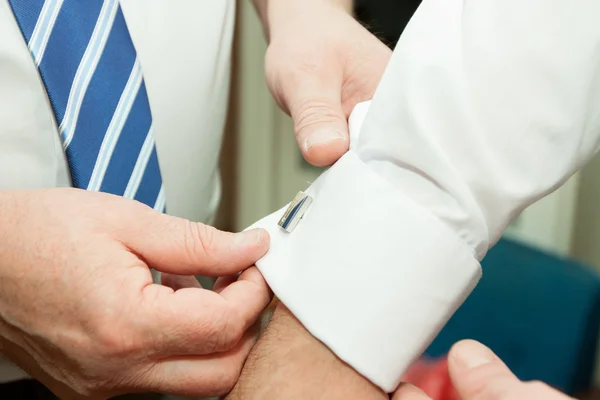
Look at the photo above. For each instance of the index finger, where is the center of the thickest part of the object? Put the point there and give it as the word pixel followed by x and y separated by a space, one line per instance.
pixel 250 294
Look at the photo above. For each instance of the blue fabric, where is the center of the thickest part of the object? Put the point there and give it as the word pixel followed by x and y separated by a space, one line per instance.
pixel 29 16
pixel 58 68
pixel 538 312
pixel 115 181
pixel 89 67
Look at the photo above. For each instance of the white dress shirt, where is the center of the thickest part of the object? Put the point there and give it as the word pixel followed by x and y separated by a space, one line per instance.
pixel 485 107
pixel 184 48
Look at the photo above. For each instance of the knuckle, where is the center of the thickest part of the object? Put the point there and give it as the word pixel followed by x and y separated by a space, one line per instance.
pixel 315 112
pixel 111 342
pixel 108 342
pixel 200 239
pixel 234 327
pixel 223 332
pixel 233 334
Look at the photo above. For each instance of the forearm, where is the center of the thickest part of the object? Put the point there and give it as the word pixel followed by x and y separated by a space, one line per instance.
pixel 289 363
pixel 274 13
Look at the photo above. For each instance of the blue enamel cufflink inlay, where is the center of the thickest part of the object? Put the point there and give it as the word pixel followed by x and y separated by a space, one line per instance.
pixel 295 212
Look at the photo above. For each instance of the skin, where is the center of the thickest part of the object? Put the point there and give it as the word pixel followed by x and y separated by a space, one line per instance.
pixel 478 374
pixel 320 63
pixel 289 363
pixel 79 311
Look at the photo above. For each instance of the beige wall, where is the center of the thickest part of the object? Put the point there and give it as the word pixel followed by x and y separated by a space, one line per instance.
pixel 586 240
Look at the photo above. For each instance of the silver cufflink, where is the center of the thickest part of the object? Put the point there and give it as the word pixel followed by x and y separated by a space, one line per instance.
pixel 295 212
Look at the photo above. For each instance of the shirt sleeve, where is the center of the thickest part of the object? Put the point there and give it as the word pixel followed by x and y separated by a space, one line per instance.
pixel 485 107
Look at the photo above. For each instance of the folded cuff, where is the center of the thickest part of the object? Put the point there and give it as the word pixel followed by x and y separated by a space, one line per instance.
pixel 370 273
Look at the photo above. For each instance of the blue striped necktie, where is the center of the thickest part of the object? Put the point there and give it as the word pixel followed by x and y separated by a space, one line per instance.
pixel 93 79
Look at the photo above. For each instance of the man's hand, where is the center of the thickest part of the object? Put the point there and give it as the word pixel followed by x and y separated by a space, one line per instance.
pixel 289 363
pixel 478 374
pixel 79 311
pixel 320 63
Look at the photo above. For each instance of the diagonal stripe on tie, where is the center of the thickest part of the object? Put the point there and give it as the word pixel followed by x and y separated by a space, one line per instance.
pixel 149 189
pixel 43 28
pixel 29 18
pixel 86 69
pixel 140 166
pixel 116 126
pixel 95 85
pixel 159 205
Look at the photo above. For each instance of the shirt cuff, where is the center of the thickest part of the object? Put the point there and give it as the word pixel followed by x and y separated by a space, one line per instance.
pixel 370 273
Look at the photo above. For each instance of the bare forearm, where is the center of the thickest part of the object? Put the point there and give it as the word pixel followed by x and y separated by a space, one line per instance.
pixel 275 12
pixel 289 363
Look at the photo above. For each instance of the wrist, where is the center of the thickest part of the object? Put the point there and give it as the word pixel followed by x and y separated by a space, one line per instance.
pixel 277 14
pixel 287 356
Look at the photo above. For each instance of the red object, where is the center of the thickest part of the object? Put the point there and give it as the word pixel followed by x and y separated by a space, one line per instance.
pixel 431 376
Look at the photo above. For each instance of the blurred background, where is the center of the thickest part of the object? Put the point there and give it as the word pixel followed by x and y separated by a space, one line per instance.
pixel 538 305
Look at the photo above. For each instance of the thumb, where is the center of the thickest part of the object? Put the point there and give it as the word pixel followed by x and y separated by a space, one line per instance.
pixel 320 124
pixel 477 373
pixel 407 391
pixel 178 246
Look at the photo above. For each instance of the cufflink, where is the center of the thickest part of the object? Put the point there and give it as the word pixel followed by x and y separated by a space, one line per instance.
pixel 295 212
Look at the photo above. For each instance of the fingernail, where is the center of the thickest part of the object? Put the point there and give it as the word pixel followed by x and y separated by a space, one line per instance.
pixel 470 354
pixel 322 137
pixel 249 238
